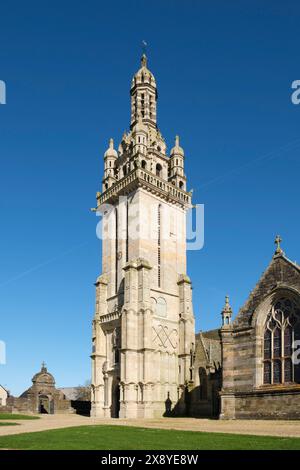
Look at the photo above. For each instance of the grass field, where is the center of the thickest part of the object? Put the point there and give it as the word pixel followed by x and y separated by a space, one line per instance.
pixel 3 423
pixel 12 416
pixel 132 438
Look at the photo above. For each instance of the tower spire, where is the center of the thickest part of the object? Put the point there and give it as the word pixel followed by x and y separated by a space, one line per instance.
pixel 143 95
pixel 144 60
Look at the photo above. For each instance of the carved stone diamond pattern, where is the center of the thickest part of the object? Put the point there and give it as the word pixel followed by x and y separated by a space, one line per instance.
pixel 164 337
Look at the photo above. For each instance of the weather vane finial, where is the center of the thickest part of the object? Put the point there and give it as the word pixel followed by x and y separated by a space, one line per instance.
pixel 277 242
pixel 144 57
pixel 144 46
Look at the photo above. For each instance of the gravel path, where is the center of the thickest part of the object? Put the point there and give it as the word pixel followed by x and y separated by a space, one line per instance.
pixel 267 428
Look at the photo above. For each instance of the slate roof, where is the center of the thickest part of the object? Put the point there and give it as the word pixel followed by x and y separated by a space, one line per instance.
pixel 281 273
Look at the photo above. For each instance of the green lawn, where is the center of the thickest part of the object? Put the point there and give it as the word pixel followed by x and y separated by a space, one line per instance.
pixel 12 416
pixel 126 438
pixel 8 424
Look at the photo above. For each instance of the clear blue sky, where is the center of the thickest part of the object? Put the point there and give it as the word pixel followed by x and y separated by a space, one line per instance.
pixel 224 72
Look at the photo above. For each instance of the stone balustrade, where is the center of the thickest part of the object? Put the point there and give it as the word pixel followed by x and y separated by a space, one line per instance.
pixel 147 180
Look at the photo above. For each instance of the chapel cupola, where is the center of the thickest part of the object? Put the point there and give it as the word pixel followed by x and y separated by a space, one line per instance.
pixel 176 165
pixel 110 157
pixel 143 96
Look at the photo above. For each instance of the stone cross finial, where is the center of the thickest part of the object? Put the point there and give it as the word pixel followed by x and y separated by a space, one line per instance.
pixel 277 242
pixel 111 143
pixel 43 366
pixel 177 141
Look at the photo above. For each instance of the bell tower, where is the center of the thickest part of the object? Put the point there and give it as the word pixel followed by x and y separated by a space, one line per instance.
pixel 143 328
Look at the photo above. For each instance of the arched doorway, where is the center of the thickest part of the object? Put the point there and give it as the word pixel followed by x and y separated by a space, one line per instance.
pixel 46 405
pixel 115 402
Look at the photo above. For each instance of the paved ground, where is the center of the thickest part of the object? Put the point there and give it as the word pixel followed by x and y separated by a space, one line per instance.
pixel 271 428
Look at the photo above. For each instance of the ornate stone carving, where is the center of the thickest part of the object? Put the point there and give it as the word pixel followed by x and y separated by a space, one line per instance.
pixel 165 337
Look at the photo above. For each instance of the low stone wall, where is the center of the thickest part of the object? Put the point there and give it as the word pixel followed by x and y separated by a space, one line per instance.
pixel 25 405
pixel 16 405
pixel 279 404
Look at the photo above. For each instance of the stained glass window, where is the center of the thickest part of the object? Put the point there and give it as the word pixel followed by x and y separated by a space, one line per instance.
pixel 267 372
pixel 288 373
pixel 281 330
pixel 267 345
pixel 288 339
pixel 277 372
pixel 297 373
pixel 277 343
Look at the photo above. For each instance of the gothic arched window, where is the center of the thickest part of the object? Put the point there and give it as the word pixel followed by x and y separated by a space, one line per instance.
pixel 158 169
pixel 281 330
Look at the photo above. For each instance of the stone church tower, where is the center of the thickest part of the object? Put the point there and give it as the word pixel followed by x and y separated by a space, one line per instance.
pixel 143 328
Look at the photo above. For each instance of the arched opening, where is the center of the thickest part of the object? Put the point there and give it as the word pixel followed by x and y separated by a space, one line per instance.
pixel 124 170
pixel 158 169
pixel 181 184
pixel 144 164
pixel 115 402
pixel 45 405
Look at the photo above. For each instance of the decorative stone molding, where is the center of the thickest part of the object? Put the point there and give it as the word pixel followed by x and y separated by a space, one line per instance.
pixel 148 181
